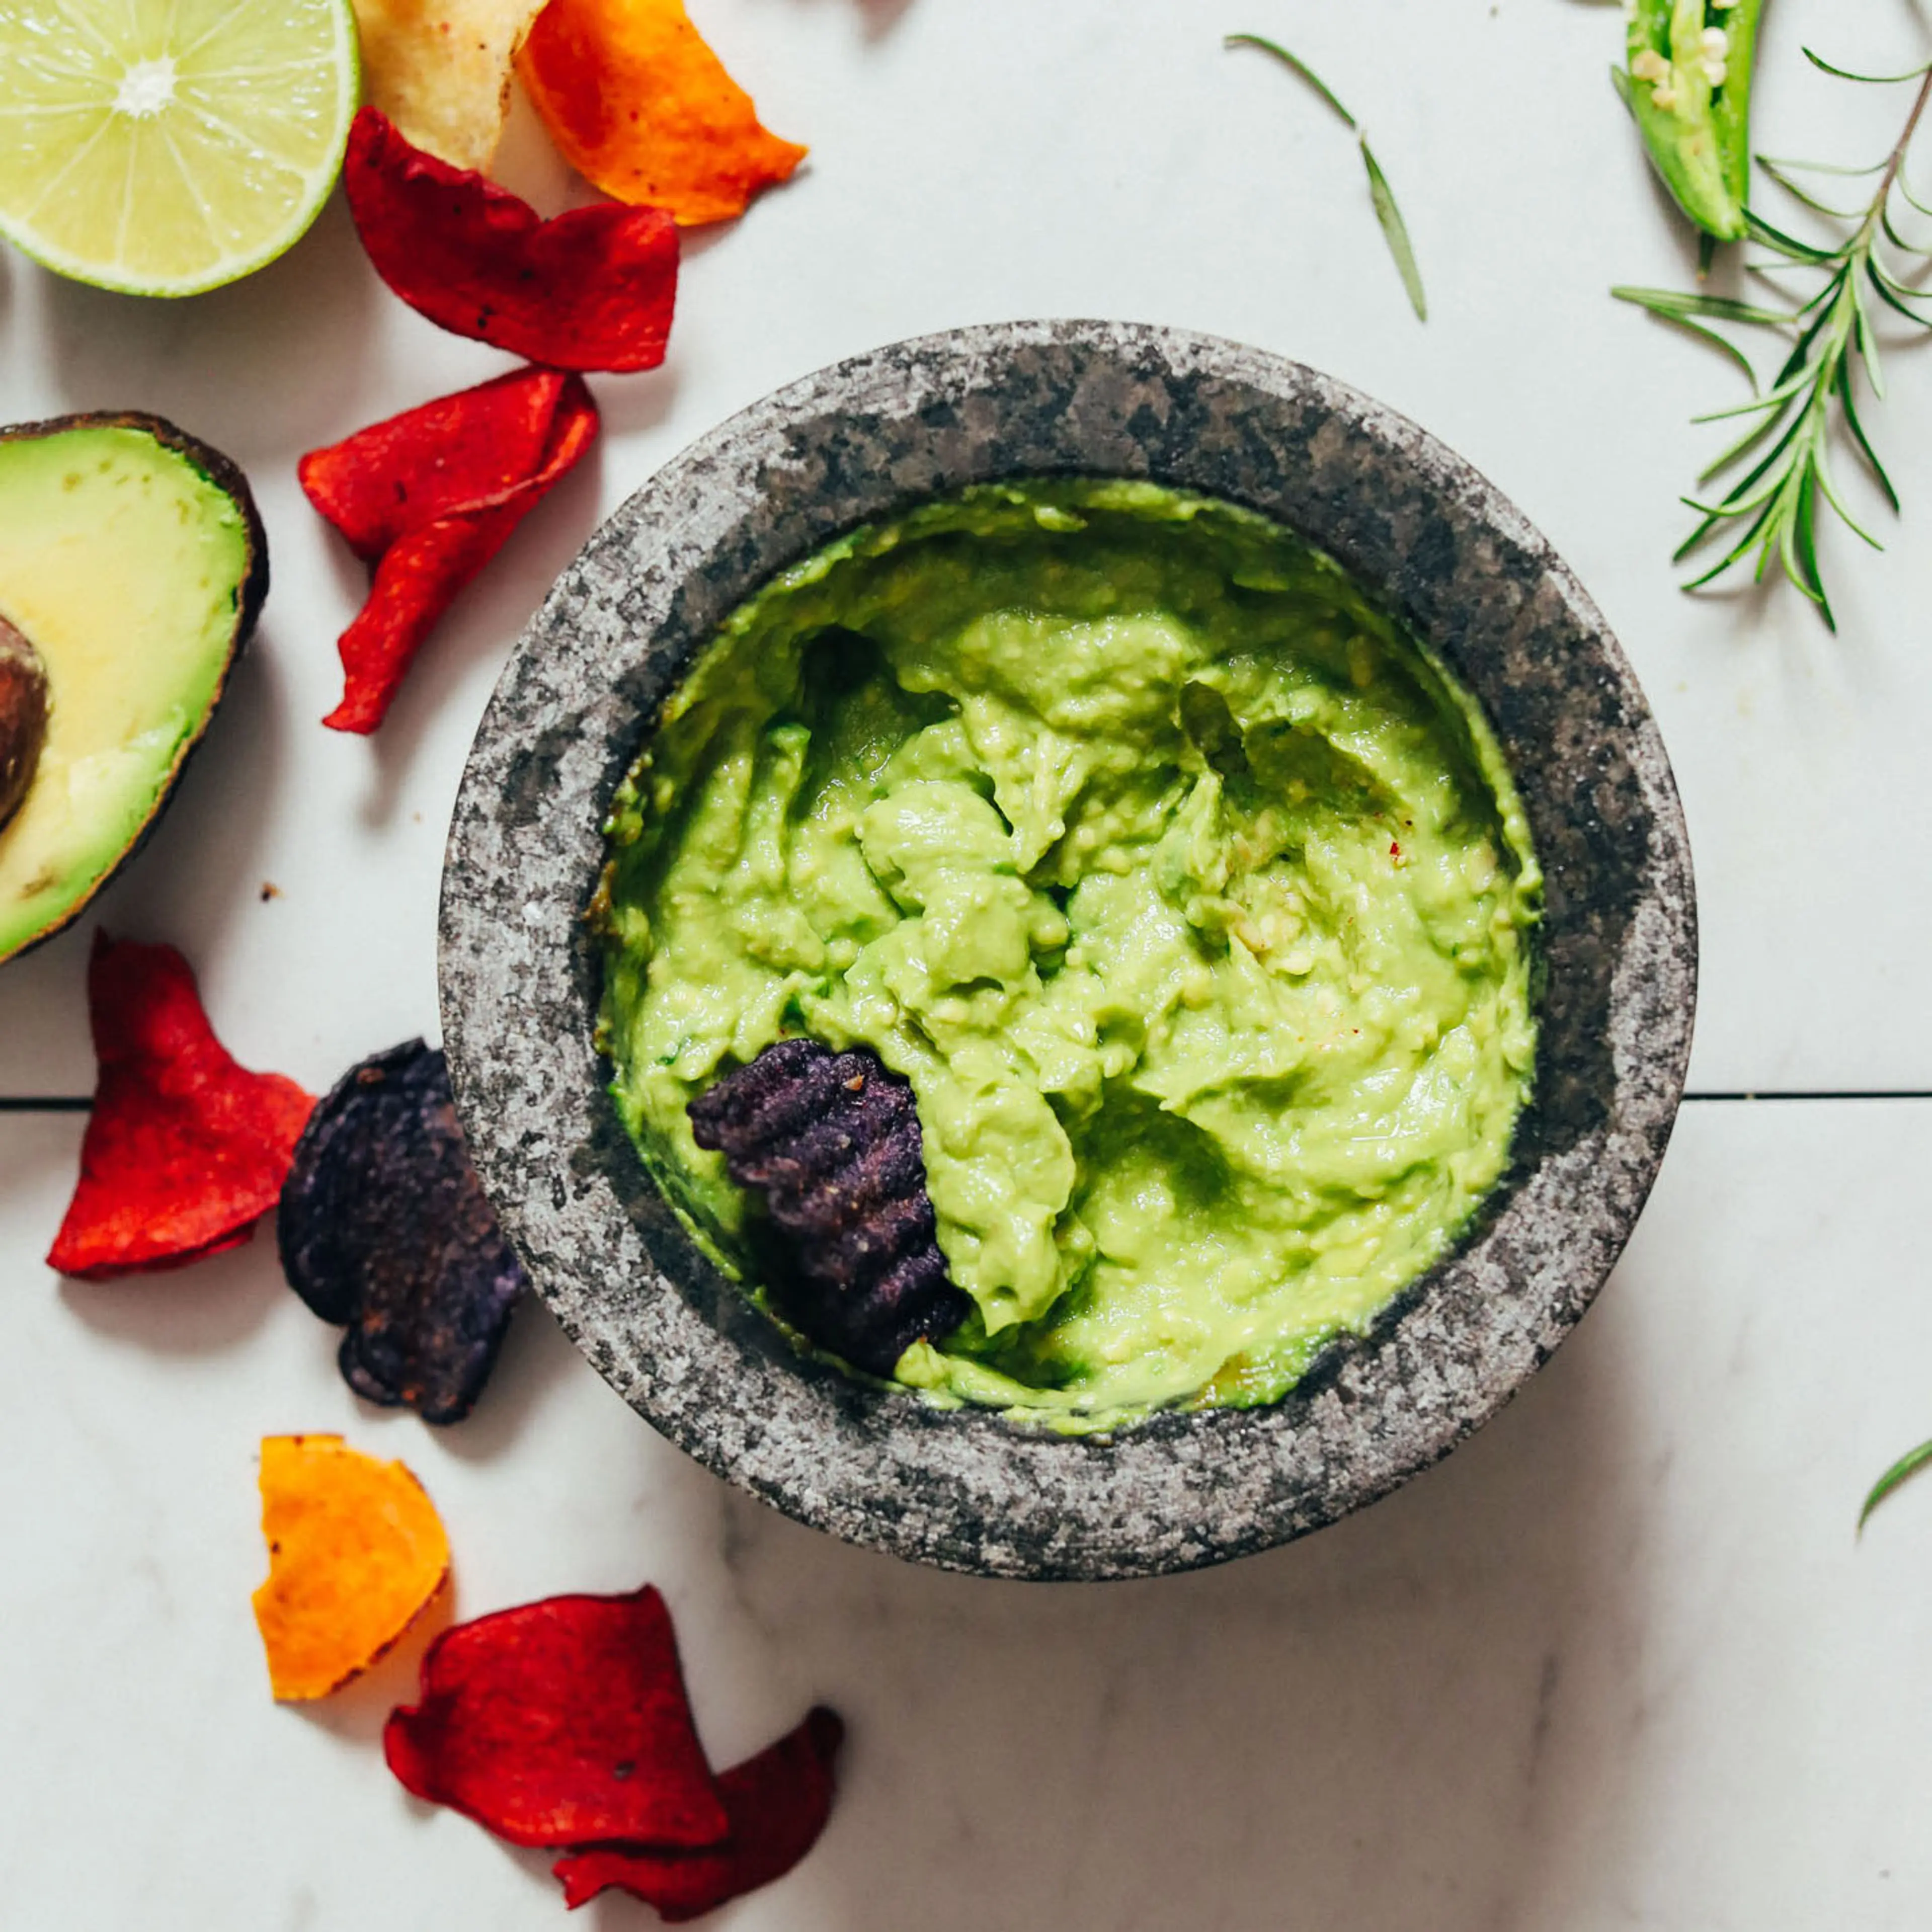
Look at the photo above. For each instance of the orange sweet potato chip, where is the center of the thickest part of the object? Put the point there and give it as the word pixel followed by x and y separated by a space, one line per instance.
pixel 640 106
pixel 356 1553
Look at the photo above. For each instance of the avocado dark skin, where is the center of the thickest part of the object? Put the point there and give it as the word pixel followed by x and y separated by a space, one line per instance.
pixel 23 717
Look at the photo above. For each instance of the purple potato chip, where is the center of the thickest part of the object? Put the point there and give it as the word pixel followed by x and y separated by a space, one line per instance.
pixel 384 1230
pixel 831 1141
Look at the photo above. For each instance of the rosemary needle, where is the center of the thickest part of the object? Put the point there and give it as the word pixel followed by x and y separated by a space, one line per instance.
pixel 1381 197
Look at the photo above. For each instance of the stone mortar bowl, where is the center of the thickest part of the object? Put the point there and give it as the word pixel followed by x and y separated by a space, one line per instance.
pixel 1425 535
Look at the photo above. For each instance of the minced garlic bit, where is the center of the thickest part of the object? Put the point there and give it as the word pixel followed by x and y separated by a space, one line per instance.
pixel 1651 65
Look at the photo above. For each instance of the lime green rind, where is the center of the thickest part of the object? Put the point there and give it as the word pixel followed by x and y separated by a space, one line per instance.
pixel 21 19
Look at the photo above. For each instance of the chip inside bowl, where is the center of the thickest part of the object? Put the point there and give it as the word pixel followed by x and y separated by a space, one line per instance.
pixel 830 1142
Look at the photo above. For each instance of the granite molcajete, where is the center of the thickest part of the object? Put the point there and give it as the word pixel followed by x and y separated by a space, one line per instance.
pixel 520 973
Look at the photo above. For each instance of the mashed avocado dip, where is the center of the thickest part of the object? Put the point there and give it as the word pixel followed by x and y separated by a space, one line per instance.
pixel 1193 900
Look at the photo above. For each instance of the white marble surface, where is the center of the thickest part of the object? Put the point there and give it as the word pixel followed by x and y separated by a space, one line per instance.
pixel 1619 1662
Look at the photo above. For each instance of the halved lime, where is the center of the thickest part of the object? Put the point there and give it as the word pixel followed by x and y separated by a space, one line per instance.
pixel 163 147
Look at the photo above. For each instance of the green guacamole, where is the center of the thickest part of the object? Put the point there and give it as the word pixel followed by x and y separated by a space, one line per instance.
pixel 1194 901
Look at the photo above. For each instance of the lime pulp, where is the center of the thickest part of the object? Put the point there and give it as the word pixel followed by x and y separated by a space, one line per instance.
pixel 164 147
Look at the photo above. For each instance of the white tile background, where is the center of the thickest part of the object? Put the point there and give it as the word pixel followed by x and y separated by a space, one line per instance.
pixel 1619 1662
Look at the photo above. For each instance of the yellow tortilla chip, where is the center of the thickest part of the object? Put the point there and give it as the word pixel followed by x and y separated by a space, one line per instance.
pixel 440 69
pixel 356 1552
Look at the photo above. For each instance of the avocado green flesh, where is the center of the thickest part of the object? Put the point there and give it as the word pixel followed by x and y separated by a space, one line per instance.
pixel 124 564
pixel 1193 900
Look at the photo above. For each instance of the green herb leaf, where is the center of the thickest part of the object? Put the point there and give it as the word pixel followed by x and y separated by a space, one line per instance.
pixel 1820 167
pixel 1716 341
pixel 1771 399
pixel 1677 307
pixel 1848 403
pixel 1895 236
pixel 1911 199
pixel 1293 66
pixel 1896 297
pixel 1786 245
pixel 1866 79
pixel 1668 306
pixel 1395 231
pixel 1799 192
pixel 1907 1466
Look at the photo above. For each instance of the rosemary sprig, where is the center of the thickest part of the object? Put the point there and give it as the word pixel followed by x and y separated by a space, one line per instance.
pixel 1395 230
pixel 1834 349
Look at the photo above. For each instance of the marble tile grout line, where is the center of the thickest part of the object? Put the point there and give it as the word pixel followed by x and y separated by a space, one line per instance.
pixel 1820 1094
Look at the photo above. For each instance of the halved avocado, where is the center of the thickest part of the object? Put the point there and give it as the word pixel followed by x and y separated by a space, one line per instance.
pixel 133 566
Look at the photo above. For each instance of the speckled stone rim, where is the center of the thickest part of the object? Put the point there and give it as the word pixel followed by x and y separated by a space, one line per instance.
pixel 1450 559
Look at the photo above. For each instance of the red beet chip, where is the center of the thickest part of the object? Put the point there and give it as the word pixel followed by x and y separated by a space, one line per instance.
pixel 428 498
pixel 592 290
pixel 777 1801
pixel 562 1722
pixel 185 1150
pixel 472 451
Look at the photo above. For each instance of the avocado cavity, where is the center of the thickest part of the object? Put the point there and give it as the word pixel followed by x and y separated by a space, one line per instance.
pixel 23 717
